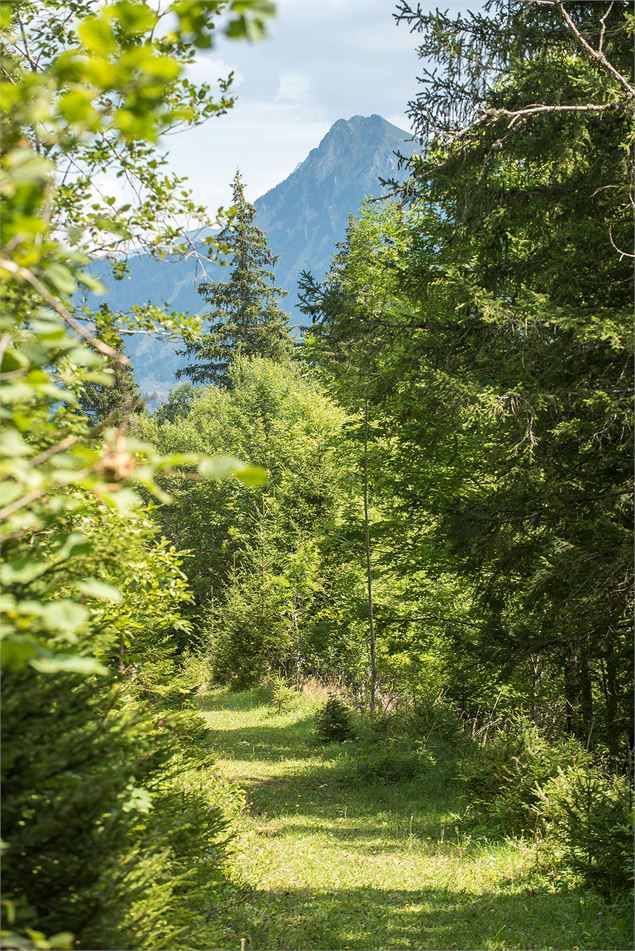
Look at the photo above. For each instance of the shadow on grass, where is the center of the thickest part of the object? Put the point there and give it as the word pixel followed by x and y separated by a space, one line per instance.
pixel 278 741
pixel 239 700
pixel 319 794
pixel 376 818
pixel 321 781
pixel 370 918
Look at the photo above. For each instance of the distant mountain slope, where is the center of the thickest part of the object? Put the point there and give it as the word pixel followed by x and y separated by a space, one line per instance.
pixel 304 216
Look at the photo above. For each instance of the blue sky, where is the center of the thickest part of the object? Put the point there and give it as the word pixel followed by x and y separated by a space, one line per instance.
pixel 323 60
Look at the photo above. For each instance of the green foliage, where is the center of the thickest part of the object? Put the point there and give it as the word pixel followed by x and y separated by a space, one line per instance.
pixel 398 766
pixel 283 696
pixel 437 721
pixel 507 768
pixel 115 402
pixel 586 814
pixel 487 322
pixel 334 722
pixel 101 840
pixel 109 79
pixel 275 569
pixel 107 787
pixel 246 319
pixel 362 852
pixel 482 328
pixel 177 404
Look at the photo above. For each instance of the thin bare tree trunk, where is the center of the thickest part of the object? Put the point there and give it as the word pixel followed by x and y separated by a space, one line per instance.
pixel 369 573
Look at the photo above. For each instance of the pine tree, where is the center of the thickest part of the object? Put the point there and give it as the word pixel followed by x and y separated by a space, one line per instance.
pixel 116 402
pixel 245 316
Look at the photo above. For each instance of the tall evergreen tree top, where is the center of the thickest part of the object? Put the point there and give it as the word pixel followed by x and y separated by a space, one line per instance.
pixel 245 315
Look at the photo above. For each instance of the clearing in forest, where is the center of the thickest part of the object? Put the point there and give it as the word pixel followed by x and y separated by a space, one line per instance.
pixel 333 859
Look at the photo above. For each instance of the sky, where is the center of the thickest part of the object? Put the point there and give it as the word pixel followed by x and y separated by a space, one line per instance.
pixel 323 60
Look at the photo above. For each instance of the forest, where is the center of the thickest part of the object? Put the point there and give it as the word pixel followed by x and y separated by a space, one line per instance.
pixel 333 647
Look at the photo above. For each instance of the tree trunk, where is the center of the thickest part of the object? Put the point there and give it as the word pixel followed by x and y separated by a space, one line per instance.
pixel 369 574
pixel 586 698
pixel 613 738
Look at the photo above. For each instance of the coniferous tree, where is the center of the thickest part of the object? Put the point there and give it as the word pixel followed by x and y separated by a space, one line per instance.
pixel 487 323
pixel 245 315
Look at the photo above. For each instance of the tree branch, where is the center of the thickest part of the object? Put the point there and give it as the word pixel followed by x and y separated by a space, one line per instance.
pixel 489 116
pixel 596 54
pixel 45 294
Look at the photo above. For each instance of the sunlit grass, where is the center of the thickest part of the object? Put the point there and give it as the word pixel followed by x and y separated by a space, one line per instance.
pixel 328 862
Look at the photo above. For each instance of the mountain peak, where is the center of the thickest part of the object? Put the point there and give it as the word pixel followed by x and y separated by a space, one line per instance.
pixel 305 216
pixel 373 125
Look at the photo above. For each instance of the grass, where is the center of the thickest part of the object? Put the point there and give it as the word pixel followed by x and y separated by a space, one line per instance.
pixel 332 860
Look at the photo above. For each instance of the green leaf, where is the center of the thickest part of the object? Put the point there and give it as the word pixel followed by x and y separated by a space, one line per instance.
pixel 9 491
pixel 68 664
pixel 61 279
pixel 13 360
pixel 72 545
pixel 22 570
pixel 221 467
pixel 251 475
pixel 140 800
pixel 92 283
pixel 97 35
pixel 63 940
pixel 261 7
pixel 135 17
pixel 177 459
pixel 12 443
pixel 76 106
pixel 124 500
pixel 16 651
pixel 99 590
pixel 64 616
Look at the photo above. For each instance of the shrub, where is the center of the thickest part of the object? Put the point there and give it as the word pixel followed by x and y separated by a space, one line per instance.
pixel 334 722
pixel 106 838
pixel 378 729
pixel 587 818
pixel 436 720
pixel 392 766
pixel 282 695
pixel 195 671
pixel 505 772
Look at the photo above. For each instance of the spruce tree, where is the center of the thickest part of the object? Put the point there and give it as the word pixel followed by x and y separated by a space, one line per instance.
pixel 245 315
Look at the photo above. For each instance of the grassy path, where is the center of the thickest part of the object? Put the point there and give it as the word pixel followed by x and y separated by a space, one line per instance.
pixel 332 863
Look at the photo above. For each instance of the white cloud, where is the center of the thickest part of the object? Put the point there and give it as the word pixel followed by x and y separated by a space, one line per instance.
pixel 293 87
pixel 209 69
pixel 385 38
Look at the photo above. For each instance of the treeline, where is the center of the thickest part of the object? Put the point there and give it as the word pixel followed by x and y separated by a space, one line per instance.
pixel 446 527
pixel 468 363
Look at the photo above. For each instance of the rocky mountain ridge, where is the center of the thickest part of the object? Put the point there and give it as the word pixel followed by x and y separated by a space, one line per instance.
pixel 304 216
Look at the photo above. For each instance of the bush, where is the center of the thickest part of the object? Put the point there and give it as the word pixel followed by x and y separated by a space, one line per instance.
pixel 503 774
pixel 195 672
pixel 587 818
pixel 392 766
pixel 106 839
pixel 282 695
pixel 437 721
pixel 334 721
